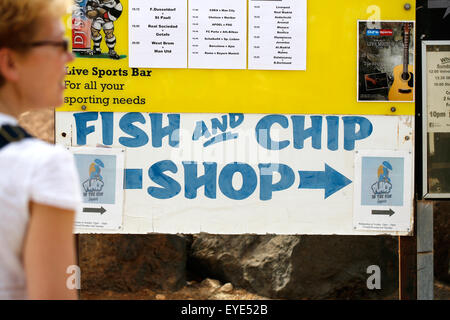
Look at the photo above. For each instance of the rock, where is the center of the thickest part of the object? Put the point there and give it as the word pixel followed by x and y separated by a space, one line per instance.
pixel 39 123
pixel 227 287
pixel 220 296
pixel 298 267
pixel 147 292
pixel 211 283
pixel 441 230
pixel 128 263
pixel 160 297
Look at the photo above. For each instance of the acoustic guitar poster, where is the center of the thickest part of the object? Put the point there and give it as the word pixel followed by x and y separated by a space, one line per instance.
pixel 386 61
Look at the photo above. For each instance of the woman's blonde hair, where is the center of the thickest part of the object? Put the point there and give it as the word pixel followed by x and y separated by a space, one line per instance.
pixel 19 20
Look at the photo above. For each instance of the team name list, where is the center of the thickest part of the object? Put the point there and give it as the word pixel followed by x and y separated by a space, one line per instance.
pixel 217 34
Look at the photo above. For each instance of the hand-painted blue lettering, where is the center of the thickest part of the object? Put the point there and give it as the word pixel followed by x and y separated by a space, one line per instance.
pixel 267 187
pixel 83 130
pixel 192 182
pixel 201 130
pixel 350 134
pixel 159 132
pixel 330 180
pixel 249 181
pixel 333 132
pixel 215 123
pixel 170 187
pixel 140 138
pixel 300 133
pixel 236 119
pixel 133 179
pixel 220 138
pixel 263 132
pixel 107 127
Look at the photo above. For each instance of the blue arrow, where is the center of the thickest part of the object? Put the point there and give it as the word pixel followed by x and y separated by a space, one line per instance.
pixel 330 180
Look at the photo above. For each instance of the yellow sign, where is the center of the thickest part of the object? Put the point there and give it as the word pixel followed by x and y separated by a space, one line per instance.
pixel 327 86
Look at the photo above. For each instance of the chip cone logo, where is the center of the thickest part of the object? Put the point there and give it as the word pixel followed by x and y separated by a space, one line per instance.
pixel 94 185
pixel 383 185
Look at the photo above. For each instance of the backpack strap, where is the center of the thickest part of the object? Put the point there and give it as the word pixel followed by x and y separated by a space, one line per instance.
pixel 10 134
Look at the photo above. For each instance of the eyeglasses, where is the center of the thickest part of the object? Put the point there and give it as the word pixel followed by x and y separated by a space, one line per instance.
pixel 63 44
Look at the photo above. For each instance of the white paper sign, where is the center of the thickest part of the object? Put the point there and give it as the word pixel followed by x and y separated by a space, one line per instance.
pixel 277 35
pixel 101 179
pixel 217 34
pixel 157 33
pixel 438 93
pixel 383 195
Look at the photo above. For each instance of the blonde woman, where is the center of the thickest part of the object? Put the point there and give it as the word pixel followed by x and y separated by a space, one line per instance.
pixel 39 193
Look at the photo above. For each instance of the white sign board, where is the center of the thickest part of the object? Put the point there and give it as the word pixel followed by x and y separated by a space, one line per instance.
pixel 243 173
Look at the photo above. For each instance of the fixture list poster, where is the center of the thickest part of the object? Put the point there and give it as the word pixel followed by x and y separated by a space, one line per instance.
pixel 277 35
pixel 218 34
pixel 157 32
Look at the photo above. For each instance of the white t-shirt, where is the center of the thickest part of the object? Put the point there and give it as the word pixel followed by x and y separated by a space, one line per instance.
pixel 30 170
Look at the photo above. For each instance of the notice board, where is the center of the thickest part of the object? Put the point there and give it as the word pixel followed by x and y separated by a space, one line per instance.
pixel 327 86
pixel 230 144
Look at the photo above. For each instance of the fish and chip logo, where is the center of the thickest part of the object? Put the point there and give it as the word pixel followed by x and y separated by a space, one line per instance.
pixel 383 187
pixel 94 185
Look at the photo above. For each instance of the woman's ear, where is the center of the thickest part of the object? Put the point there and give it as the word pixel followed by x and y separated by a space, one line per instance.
pixel 8 64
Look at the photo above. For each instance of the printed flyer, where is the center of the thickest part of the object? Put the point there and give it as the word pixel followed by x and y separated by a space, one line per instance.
pixel 386 61
pixel 383 196
pixel 101 184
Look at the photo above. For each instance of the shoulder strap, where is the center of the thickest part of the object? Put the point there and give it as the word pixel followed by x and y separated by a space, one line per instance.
pixel 10 134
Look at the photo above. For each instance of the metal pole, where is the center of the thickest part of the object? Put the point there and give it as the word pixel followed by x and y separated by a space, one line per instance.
pixel 425 274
